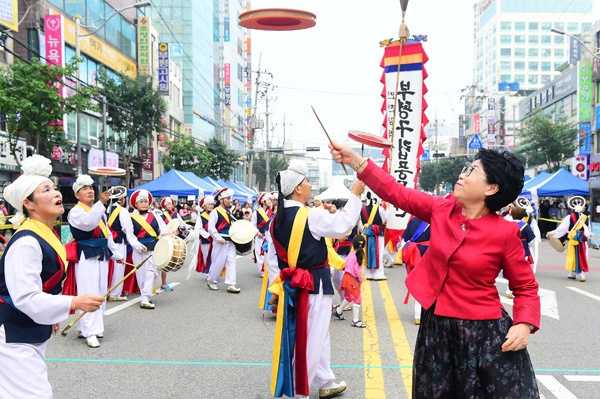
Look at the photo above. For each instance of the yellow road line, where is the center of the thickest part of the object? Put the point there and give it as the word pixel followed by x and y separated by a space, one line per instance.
pixel 399 340
pixel 374 388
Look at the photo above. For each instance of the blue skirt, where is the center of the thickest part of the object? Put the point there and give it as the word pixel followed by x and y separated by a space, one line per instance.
pixel 463 359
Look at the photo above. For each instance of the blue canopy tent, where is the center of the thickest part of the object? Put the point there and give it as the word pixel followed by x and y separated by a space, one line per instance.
pixel 238 194
pixel 212 182
pixel 173 182
pixel 533 182
pixel 563 183
pixel 208 188
pixel 244 190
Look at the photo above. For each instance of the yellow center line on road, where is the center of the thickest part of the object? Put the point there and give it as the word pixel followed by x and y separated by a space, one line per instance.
pixel 399 340
pixel 374 388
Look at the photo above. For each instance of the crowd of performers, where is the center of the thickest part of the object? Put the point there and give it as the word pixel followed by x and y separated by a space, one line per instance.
pixel 304 254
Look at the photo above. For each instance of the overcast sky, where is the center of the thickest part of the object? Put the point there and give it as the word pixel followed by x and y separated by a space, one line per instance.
pixel 335 65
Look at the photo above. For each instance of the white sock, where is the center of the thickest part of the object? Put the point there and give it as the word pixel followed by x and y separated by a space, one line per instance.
pixel 355 312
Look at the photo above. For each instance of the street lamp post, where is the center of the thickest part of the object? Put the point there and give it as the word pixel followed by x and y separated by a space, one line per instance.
pixel 78 37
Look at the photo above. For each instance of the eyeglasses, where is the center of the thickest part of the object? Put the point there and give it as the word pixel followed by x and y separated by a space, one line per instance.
pixel 467 170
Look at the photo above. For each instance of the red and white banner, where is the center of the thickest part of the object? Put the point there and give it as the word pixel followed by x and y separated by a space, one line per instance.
pixel 404 117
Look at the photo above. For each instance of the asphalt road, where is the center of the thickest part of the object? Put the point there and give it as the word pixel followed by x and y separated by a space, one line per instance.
pixel 202 344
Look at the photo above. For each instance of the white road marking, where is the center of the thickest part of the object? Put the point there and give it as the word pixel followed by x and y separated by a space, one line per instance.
pixel 556 388
pixel 583 378
pixel 132 302
pixel 549 302
pixel 582 292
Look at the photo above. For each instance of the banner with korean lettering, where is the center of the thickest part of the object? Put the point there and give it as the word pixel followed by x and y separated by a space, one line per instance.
pixel 163 68
pixel 54 41
pixel 404 117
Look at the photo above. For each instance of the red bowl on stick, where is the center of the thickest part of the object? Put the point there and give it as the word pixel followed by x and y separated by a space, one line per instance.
pixel 277 19
pixel 369 139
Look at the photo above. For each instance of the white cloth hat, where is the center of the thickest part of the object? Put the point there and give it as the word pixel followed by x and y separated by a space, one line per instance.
pixel 81 182
pixel 207 199
pixel 292 176
pixel 223 193
pixel 36 170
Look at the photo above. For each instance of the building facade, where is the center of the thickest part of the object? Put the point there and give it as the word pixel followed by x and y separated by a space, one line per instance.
pixel 188 28
pixel 514 45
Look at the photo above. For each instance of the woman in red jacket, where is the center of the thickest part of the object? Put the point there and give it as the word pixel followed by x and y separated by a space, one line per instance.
pixel 467 346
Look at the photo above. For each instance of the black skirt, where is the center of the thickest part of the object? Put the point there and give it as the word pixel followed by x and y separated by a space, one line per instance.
pixel 463 359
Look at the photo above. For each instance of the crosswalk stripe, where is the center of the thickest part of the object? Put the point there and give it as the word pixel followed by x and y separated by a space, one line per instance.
pixel 583 378
pixel 374 388
pixel 399 339
pixel 556 388
pixel 582 292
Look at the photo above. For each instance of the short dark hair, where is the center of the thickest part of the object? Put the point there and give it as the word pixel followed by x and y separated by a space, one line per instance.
pixel 506 170
pixel 25 211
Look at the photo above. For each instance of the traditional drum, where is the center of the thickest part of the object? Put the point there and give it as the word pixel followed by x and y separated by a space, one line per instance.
pixel 557 244
pixel 169 253
pixel 242 233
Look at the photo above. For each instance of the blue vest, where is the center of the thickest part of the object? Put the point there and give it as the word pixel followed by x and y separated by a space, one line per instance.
pixel 313 253
pixel 91 243
pixel 19 327
pixel 143 237
pixel 116 227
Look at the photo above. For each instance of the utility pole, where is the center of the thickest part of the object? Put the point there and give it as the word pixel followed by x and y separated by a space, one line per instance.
pixel 267 153
pixel 254 122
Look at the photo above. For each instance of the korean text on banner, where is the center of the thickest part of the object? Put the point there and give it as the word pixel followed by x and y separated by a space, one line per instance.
pixel 163 68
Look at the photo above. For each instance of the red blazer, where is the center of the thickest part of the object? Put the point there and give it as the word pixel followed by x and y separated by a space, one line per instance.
pixel 458 271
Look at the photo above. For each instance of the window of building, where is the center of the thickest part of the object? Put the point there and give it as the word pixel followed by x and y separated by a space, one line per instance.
pixel 586 27
pixel 505 52
pixel 94 133
pixel 520 78
pixel 546 79
pixel 572 27
pixel 519 26
pixel 533 52
pixel 546 66
pixel 76 8
pixel 96 16
pixel 559 26
pixel 532 79
pixel 520 39
pixel 559 52
pixel 519 65
pixel 58 3
pixel 546 52
pixel 505 66
pixel 505 25
pixel 71 127
pixel 534 26
pixel 520 52
pixel 558 65
pixel 113 28
pixel 546 26
pixel 533 39
pixel 547 39
pixel 506 78
pixel 505 39
pixel 559 39
pixel 533 66
pixel 127 38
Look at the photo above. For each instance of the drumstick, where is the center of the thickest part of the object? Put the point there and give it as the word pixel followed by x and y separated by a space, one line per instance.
pixel 326 134
pixel 75 319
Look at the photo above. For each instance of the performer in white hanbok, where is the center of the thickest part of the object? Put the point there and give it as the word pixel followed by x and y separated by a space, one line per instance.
pixel 206 205
pixel 223 251
pixel 304 288
pixel 31 272
pixel 121 227
pixel 260 219
pixel 373 222
pixel 94 246
pixel 147 227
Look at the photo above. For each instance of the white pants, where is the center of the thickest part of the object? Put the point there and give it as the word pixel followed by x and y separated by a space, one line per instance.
pixel 319 341
pixel 145 275
pixel 23 371
pixel 379 272
pixel 272 263
pixel 119 270
pixel 223 256
pixel 205 249
pixel 336 279
pixel 91 276
pixel 258 241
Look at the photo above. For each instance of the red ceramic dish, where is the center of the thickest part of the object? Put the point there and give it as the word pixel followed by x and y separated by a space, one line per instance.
pixel 369 139
pixel 277 19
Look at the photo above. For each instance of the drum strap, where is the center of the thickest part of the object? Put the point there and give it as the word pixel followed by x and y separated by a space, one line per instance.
pixel 144 224
pixel 102 225
pixel 114 215
pixel 578 225
pixel 298 227
pixel 373 213
pixel 224 213
pixel 263 214
pixel 46 234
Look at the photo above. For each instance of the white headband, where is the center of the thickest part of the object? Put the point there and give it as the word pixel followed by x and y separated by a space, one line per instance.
pixel 81 182
pixel 292 176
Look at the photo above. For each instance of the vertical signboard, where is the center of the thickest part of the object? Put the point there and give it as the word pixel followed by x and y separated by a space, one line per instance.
pixel 580 166
pixel 147 156
pixel 574 50
pixel 144 46
pixel 584 91
pixel 216 21
pixel 163 68
pixel 226 29
pixel 54 39
pixel 227 83
pixel 585 138
pixel 476 123
pixel 9 14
